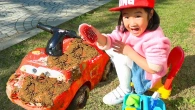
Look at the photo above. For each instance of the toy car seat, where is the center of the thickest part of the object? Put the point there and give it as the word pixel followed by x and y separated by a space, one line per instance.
pixel 175 61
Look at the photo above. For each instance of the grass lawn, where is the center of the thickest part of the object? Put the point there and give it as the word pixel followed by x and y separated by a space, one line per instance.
pixel 177 21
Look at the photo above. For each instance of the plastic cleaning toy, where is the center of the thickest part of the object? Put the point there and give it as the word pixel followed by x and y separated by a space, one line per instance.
pixel 87 33
pixel 143 102
pixel 41 83
pixel 154 100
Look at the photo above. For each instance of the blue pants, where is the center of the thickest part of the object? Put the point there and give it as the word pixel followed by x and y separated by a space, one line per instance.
pixel 141 84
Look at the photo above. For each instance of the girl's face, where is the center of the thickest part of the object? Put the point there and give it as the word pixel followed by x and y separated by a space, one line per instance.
pixel 136 20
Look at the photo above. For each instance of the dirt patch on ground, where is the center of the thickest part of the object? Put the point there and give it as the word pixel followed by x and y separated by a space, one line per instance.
pixel 41 90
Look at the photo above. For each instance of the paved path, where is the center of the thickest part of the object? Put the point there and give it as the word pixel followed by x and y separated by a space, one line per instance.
pixel 18 18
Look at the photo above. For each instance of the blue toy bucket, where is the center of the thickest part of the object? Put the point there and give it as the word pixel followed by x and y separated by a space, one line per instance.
pixel 142 102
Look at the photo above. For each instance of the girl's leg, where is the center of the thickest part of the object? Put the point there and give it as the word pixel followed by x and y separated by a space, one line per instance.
pixel 123 67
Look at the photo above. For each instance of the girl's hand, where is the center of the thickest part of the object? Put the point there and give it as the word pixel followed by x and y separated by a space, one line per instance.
pixel 94 35
pixel 121 47
pixel 87 33
pixel 101 39
pixel 96 31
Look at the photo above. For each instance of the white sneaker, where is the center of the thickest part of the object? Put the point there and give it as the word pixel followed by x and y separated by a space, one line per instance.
pixel 115 97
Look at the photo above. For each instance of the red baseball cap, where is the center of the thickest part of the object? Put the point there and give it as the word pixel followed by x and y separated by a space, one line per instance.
pixel 123 4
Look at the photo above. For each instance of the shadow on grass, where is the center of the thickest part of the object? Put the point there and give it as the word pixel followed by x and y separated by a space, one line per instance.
pixel 186 77
pixel 9 65
pixel 110 77
pixel 172 104
pixel 10 60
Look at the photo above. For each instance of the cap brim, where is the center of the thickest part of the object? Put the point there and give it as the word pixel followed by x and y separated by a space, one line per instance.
pixel 125 7
pixel 121 8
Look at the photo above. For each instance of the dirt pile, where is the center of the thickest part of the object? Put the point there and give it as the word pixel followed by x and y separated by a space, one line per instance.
pixel 41 90
pixel 76 53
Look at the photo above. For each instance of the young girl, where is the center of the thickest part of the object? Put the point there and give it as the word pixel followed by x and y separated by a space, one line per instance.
pixel 137 47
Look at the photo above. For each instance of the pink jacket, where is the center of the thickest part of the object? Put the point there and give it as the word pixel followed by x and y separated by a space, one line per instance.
pixel 153 45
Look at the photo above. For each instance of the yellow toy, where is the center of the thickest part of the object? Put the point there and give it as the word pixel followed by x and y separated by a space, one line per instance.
pixel 175 61
pixel 133 100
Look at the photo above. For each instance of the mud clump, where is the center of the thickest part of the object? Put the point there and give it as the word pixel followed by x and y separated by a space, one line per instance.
pixel 76 53
pixel 42 90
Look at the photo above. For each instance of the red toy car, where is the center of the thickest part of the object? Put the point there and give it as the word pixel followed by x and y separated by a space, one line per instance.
pixel 39 85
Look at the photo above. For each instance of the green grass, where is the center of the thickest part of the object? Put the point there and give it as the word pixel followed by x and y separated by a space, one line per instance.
pixel 177 21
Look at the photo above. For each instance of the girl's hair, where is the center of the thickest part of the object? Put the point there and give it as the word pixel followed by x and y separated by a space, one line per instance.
pixel 153 23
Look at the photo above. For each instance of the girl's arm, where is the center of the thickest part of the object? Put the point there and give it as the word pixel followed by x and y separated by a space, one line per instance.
pixel 104 41
pixel 122 48
pixel 139 60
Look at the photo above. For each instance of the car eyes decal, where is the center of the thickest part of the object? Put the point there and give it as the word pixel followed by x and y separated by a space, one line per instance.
pixel 42 70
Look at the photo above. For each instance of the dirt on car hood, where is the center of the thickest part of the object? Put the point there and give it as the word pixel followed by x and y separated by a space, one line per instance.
pixel 42 90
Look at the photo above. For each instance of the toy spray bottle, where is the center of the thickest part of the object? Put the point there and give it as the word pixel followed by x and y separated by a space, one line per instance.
pixel 154 101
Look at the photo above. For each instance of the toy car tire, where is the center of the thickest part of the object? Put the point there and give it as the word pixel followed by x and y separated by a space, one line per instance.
pixel 80 99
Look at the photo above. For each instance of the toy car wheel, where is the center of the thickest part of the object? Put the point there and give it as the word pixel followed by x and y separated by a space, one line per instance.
pixel 80 99
pixel 107 70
